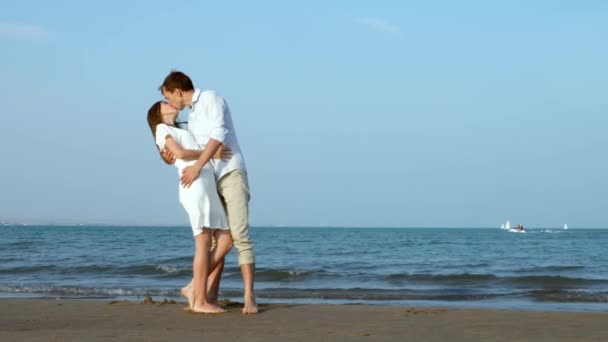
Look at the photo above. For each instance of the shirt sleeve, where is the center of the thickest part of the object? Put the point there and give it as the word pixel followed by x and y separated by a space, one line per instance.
pixel 216 109
pixel 162 131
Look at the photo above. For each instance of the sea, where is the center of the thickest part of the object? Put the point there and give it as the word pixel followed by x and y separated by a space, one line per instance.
pixel 543 269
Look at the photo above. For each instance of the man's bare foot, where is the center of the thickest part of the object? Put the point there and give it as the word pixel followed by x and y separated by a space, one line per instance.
pixel 187 293
pixel 206 308
pixel 251 307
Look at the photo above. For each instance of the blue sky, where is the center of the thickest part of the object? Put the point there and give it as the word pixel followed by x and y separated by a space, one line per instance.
pixel 405 114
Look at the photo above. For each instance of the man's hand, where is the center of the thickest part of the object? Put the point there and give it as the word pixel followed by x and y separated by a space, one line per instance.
pixel 189 175
pixel 167 156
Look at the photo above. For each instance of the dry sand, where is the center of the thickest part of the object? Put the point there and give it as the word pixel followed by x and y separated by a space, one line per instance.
pixel 95 320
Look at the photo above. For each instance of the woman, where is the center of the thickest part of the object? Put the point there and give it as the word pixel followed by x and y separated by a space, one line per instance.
pixel 201 201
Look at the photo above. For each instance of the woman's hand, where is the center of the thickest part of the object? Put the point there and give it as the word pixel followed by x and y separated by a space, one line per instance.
pixel 224 153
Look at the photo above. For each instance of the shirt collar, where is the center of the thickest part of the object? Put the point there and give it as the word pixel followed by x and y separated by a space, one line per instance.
pixel 196 96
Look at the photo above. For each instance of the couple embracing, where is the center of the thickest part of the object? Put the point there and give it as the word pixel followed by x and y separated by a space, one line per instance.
pixel 213 186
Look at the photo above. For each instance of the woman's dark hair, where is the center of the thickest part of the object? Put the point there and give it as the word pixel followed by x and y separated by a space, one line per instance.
pixel 154 118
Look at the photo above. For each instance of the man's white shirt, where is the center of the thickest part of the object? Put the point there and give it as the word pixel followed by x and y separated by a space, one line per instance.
pixel 209 118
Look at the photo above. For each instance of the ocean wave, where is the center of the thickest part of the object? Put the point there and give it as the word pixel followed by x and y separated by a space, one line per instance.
pixel 161 270
pixel 452 279
pixel 19 244
pixel 360 294
pixel 551 281
pixel 364 294
pixel 141 270
pixel 84 292
pixel 316 294
pixel 270 274
pixel 9 259
pixel 27 269
pixel 542 281
pixel 571 296
pixel 555 268
pixel 182 259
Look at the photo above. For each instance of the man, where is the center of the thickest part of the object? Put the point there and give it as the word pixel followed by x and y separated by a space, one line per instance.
pixel 210 122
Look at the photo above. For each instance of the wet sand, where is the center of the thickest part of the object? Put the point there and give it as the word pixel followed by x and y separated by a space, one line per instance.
pixel 97 320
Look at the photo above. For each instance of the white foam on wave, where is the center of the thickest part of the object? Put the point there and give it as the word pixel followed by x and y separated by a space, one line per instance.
pixel 171 269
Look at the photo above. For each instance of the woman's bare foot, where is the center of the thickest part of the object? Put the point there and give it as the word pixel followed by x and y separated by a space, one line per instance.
pixel 251 307
pixel 206 308
pixel 213 298
pixel 187 293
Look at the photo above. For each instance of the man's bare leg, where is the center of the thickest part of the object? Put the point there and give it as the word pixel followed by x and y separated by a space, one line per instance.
pixel 251 307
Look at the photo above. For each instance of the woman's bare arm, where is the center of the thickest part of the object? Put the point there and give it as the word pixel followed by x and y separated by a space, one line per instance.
pixel 222 153
pixel 179 152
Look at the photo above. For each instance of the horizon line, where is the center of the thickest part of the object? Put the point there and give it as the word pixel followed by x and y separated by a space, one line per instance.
pixel 5 224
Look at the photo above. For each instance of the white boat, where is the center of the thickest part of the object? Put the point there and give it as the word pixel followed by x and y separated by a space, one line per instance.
pixel 517 229
pixel 513 230
pixel 565 226
pixel 502 226
pixel 508 225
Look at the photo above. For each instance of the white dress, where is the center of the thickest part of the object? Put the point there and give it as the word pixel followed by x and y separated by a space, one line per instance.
pixel 201 200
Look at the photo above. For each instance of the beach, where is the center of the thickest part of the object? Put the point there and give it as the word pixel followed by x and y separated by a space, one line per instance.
pixel 103 320
pixel 88 284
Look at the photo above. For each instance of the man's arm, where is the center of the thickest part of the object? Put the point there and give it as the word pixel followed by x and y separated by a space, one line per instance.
pixel 191 173
pixel 216 139
pixel 167 156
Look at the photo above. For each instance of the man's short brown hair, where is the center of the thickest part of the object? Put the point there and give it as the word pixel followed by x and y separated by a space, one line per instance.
pixel 176 80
